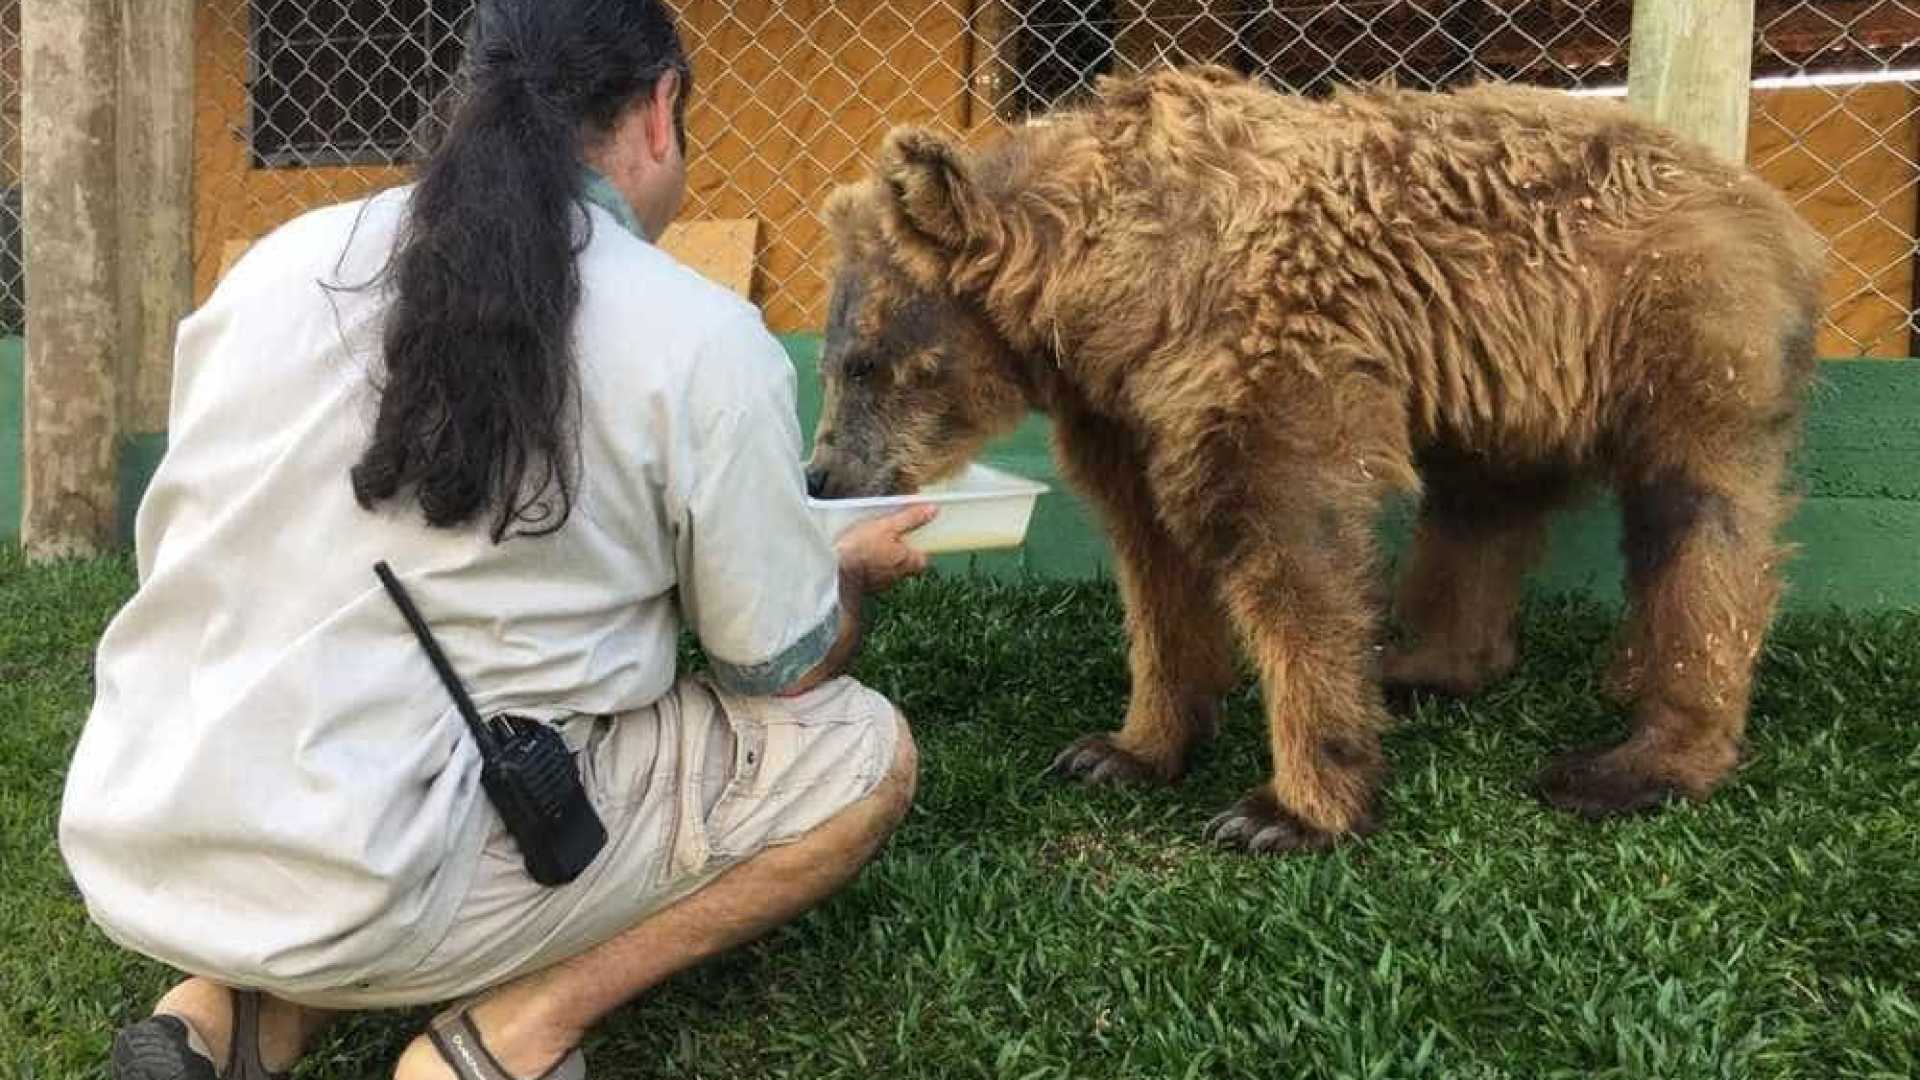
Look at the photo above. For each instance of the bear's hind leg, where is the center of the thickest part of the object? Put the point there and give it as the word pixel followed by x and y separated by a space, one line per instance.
pixel 1703 578
pixel 1458 599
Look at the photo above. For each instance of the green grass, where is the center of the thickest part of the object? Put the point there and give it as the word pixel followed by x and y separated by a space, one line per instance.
pixel 1016 928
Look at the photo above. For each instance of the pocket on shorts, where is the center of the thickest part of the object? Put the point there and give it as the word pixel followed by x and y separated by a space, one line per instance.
pixel 798 762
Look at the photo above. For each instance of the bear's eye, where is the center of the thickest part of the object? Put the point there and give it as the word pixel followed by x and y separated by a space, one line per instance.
pixel 858 368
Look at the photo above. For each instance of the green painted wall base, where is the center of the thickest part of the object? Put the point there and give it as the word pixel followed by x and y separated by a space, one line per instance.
pixel 13 377
pixel 139 454
pixel 1858 529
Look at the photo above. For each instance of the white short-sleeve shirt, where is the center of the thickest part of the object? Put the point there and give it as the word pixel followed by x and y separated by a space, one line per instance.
pixel 272 785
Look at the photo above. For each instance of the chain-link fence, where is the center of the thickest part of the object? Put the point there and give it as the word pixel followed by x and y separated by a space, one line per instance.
pixel 13 287
pixel 794 96
pixel 299 103
pixel 1834 126
pixel 303 102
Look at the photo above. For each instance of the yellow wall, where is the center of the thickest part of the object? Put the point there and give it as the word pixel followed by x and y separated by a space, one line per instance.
pixel 791 95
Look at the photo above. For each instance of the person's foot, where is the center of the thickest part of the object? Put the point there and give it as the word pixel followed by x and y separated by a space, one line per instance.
pixel 498 1036
pixel 161 1048
pixel 206 1010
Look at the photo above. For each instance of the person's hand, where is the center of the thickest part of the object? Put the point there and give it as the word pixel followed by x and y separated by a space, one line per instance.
pixel 875 553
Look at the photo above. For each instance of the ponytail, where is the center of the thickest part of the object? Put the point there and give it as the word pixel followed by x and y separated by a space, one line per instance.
pixel 479 396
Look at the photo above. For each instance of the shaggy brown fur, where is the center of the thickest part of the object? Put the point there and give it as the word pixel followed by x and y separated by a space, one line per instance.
pixel 1251 316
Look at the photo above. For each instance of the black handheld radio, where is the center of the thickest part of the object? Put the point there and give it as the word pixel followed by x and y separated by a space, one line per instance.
pixel 524 767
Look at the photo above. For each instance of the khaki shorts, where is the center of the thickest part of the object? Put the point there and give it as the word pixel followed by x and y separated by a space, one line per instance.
pixel 687 788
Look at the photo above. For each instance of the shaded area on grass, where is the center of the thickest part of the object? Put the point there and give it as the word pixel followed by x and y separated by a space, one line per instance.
pixel 1018 928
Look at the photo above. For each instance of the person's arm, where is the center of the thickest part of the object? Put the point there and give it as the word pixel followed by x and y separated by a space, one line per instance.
pixel 774 601
pixel 873 556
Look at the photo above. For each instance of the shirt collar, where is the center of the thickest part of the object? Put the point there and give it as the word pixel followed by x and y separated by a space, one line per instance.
pixel 600 191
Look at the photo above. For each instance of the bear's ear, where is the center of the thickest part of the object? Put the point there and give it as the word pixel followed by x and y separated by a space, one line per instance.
pixel 840 208
pixel 930 186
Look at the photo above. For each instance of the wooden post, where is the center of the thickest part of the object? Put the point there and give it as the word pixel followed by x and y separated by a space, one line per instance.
pixel 155 147
pixel 1691 68
pixel 70 61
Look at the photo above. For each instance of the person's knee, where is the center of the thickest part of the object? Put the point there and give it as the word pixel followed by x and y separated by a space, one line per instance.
pixel 887 804
pixel 903 776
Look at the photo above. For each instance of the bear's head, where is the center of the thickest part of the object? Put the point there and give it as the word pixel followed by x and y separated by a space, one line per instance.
pixel 916 377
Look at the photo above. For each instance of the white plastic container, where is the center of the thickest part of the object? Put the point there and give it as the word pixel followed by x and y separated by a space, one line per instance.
pixel 981 509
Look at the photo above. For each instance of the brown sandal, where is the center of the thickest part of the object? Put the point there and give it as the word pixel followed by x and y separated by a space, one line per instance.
pixel 158 1048
pixel 458 1041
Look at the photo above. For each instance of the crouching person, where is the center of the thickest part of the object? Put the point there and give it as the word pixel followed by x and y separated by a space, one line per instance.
pixel 567 448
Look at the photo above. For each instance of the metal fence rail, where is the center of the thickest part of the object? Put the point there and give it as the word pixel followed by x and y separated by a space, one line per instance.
pixel 303 102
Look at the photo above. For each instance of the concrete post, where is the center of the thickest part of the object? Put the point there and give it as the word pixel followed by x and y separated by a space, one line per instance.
pixel 1691 68
pixel 69 101
pixel 155 150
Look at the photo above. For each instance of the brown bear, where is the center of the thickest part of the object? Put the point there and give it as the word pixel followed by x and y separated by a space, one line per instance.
pixel 1251 316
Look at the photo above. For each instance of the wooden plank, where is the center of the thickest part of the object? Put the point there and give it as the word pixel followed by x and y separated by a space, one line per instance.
pixel 1691 68
pixel 722 250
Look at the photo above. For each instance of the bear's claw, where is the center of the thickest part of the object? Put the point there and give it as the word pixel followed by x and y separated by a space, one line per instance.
pixel 1093 759
pixel 1259 825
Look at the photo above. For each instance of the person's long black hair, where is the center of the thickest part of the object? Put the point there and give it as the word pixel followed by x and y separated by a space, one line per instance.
pixel 477 400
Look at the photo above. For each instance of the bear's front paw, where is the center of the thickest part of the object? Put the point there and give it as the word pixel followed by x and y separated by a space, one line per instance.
pixel 1601 782
pixel 1260 825
pixel 1094 759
